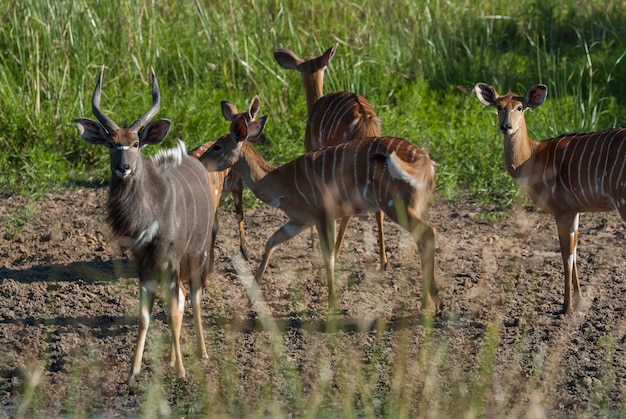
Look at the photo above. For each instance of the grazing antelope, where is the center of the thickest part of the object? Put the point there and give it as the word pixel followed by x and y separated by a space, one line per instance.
pixel 227 181
pixel 565 175
pixel 377 173
pixel 333 119
pixel 163 209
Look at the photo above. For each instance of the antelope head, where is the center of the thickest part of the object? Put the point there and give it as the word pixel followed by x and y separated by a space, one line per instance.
pixel 124 144
pixel 227 149
pixel 511 107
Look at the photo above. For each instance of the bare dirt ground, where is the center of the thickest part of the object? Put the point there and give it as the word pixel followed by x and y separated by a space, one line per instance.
pixel 68 305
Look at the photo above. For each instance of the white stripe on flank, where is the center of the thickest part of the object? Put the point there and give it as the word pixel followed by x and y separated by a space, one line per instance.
pixel 619 181
pixel 207 196
pixel 367 167
pixel 175 200
pixel 606 162
pixel 396 144
pixel 323 174
pixel 297 185
pixel 333 173
pixel 581 160
pixel 599 177
pixel 573 160
pixel 559 169
pixel 344 188
pixel 309 178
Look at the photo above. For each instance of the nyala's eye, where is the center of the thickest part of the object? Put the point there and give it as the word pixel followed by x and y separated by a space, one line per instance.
pixel 136 145
pixel 519 108
pixel 217 147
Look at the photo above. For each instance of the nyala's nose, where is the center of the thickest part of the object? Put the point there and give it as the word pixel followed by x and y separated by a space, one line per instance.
pixel 505 127
pixel 122 170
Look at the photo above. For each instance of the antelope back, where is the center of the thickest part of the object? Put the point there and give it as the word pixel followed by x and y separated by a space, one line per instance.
pixel 365 175
pixel 340 117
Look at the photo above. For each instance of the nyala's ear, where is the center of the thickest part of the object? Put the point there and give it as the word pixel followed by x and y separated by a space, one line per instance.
pixel 327 56
pixel 154 132
pixel 287 59
pixel 254 107
pixel 255 130
pixel 228 110
pixel 239 129
pixel 535 96
pixel 486 94
pixel 91 131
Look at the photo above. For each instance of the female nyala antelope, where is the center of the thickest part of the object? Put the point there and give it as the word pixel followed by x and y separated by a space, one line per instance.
pixel 333 119
pixel 227 182
pixel 162 209
pixel 371 174
pixel 565 175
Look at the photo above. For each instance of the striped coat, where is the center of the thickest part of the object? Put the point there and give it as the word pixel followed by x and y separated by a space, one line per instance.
pixel 384 174
pixel 565 176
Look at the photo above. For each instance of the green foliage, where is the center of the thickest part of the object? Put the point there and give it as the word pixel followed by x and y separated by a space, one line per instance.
pixel 415 61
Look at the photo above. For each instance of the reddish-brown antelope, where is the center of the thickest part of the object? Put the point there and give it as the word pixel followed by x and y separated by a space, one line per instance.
pixel 227 181
pixel 565 175
pixel 333 119
pixel 162 209
pixel 371 174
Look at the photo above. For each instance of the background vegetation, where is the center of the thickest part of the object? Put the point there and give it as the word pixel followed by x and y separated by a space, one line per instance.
pixel 415 61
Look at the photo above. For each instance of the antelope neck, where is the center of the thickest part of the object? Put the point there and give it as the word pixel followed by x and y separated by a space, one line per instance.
pixel 131 200
pixel 314 87
pixel 254 170
pixel 518 149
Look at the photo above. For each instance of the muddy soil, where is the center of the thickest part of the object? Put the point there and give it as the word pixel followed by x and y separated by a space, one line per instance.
pixel 69 298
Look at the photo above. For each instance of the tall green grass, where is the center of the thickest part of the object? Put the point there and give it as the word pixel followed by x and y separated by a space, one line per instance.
pixel 415 61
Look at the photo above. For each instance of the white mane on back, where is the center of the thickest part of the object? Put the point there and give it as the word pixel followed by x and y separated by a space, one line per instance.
pixel 168 159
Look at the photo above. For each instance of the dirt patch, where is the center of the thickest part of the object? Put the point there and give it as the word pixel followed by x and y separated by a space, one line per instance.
pixel 69 298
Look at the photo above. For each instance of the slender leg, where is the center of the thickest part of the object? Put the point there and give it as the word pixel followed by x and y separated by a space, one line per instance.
pixel 340 234
pixel 238 200
pixel 197 282
pixel 381 239
pixel 424 236
pixel 176 311
pixel 313 233
pixel 214 231
pixel 567 226
pixel 578 296
pixel 147 289
pixel 326 231
pixel 283 234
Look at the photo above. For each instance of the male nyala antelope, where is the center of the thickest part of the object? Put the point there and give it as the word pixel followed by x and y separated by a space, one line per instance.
pixel 565 175
pixel 333 119
pixel 162 209
pixel 227 181
pixel 371 174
